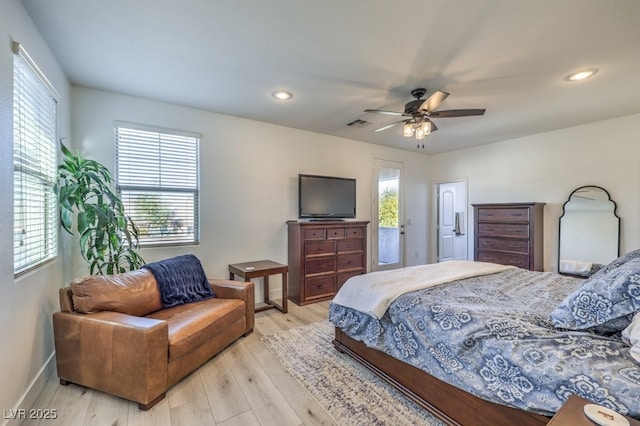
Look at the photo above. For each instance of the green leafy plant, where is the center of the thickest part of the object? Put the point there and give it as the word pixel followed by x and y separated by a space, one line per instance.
pixel 108 237
pixel 388 211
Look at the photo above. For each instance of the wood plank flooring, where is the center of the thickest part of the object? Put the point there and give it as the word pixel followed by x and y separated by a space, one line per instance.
pixel 244 385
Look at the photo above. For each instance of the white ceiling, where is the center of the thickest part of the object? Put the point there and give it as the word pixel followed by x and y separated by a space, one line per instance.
pixel 339 57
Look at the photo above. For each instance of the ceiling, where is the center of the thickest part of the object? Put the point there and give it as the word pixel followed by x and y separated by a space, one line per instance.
pixel 340 57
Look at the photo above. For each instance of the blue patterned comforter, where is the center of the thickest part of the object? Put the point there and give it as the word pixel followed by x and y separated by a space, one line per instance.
pixel 491 336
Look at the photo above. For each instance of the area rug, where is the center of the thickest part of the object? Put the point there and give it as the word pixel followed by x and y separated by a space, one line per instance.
pixel 349 392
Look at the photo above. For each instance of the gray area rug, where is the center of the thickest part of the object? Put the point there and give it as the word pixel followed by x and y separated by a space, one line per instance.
pixel 349 392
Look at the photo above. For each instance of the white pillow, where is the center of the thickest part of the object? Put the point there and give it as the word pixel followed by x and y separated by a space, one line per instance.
pixel 631 336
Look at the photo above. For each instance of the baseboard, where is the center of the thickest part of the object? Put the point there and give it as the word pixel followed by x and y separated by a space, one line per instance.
pixel 15 417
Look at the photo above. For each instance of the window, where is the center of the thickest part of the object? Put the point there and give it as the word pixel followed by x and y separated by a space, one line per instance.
pixel 158 180
pixel 35 238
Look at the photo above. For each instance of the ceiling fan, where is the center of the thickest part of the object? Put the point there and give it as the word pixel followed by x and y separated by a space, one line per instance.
pixel 420 112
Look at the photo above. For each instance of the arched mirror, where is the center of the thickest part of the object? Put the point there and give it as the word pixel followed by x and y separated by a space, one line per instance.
pixel 589 232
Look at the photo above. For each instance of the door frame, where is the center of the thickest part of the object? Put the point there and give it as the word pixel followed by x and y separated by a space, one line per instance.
pixel 433 256
pixel 377 163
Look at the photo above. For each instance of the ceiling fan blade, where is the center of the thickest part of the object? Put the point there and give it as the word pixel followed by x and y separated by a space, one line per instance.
pixel 456 113
pixel 382 111
pixel 388 126
pixel 433 101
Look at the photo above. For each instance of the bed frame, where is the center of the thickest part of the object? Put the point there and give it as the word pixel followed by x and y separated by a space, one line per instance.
pixel 451 405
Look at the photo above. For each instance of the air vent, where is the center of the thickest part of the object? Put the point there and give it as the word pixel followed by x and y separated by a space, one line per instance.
pixel 358 123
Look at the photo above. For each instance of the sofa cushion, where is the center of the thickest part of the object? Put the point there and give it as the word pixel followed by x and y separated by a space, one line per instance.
pixel 133 293
pixel 191 324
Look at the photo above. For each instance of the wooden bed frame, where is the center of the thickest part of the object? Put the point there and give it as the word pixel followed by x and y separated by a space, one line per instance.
pixel 451 405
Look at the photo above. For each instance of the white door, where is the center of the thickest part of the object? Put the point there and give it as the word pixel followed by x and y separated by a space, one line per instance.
pixel 452 221
pixel 387 226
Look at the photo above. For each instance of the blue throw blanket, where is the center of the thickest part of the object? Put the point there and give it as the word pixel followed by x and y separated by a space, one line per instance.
pixel 181 280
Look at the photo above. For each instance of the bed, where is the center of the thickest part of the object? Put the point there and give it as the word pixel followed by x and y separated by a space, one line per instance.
pixel 504 346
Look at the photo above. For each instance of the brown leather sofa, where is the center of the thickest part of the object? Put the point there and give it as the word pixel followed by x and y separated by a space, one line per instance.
pixel 113 334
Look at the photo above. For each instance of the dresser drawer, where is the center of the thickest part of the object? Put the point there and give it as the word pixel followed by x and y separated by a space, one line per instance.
pixel 513 214
pixel 355 232
pixel 344 276
pixel 319 247
pixel 356 244
pixel 320 286
pixel 350 261
pixel 517 246
pixel 335 233
pixel 315 234
pixel 320 265
pixel 519 260
pixel 503 230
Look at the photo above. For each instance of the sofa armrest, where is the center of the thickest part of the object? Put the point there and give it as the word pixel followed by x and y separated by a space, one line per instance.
pixel 116 353
pixel 229 289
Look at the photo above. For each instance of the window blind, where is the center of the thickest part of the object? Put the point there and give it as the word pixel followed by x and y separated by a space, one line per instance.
pixel 34 166
pixel 157 178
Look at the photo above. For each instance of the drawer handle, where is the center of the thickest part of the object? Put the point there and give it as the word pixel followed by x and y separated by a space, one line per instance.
pixel 517 214
pixel 487 258
pixel 515 262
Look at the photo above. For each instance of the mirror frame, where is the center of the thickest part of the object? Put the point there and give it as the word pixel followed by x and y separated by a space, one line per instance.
pixel 615 208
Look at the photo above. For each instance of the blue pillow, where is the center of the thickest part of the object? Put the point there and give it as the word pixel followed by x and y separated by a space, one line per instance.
pixel 617 263
pixel 605 302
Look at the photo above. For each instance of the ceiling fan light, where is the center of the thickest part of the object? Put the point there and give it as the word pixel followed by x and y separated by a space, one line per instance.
pixel 420 134
pixel 426 127
pixel 407 130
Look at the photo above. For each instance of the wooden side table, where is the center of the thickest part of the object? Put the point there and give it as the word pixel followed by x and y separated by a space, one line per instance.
pixel 572 414
pixel 263 268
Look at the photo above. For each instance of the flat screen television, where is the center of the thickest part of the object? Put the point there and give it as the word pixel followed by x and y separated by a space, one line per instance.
pixel 326 197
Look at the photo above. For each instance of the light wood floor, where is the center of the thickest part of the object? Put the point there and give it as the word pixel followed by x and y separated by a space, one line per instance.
pixel 243 385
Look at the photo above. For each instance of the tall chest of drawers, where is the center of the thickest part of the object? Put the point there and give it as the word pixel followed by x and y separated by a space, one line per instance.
pixel 510 234
pixel 322 256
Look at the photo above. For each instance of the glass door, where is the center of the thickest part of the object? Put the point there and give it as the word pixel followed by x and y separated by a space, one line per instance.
pixel 388 221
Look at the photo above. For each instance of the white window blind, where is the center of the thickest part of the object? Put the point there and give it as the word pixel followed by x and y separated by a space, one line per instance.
pixel 158 180
pixel 35 237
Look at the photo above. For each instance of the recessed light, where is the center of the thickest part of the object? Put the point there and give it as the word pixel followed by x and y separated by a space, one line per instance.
pixel 282 95
pixel 582 75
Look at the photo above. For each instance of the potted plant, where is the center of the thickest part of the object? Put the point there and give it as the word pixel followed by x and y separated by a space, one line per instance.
pixel 108 236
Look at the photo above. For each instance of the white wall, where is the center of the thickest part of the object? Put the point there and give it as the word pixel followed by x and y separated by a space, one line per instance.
pixel 26 303
pixel 249 174
pixel 547 167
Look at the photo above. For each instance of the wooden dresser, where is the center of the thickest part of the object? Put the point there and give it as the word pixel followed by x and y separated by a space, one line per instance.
pixel 510 234
pixel 322 256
